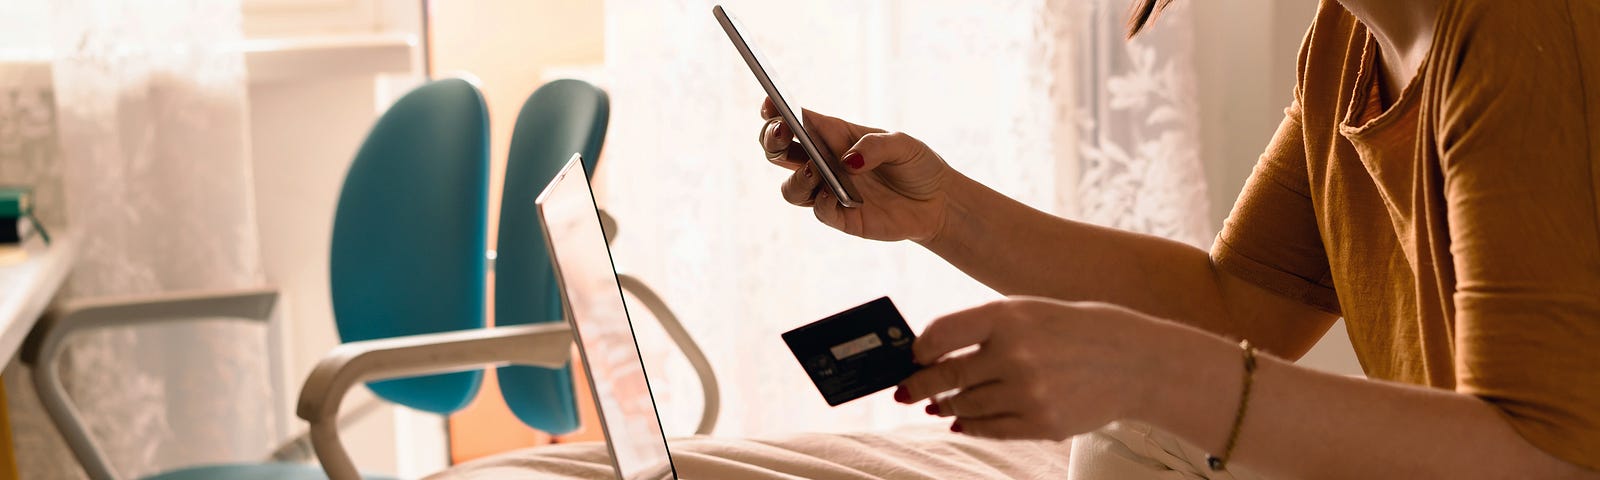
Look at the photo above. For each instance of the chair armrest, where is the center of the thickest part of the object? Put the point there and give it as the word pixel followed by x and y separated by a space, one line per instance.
pixel 608 225
pixel 544 345
pixel 129 310
pixel 245 303
pixel 709 389
pixel 43 347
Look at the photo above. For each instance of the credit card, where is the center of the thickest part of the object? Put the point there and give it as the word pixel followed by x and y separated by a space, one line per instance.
pixel 855 353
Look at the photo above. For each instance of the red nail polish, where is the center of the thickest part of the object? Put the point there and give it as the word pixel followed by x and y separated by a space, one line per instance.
pixel 854 161
pixel 933 409
pixel 901 395
pixel 955 427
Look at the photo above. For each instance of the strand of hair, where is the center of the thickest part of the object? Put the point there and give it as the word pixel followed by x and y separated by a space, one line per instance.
pixel 1143 11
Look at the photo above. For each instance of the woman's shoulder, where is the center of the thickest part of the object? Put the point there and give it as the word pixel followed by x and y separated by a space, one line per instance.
pixel 1521 17
pixel 1482 40
pixel 1329 66
pixel 1527 68
pixel 1473 38
pixel 1331 47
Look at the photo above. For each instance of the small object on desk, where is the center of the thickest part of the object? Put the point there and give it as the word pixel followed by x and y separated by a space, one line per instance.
pixel 17 223
pixel 857 352
pixel 13 203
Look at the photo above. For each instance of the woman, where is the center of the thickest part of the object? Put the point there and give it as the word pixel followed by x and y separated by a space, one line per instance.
pixel 1435 181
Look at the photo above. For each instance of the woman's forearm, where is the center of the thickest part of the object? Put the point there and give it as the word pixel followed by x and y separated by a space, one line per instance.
pixel 1018 250
pixel 1302 423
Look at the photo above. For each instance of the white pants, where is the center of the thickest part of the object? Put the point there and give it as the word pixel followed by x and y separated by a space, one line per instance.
pixel 1127 450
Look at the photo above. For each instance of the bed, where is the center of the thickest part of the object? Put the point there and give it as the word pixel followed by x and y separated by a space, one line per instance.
pixel 921 452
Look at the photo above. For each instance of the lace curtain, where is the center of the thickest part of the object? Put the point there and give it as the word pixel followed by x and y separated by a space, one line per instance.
pixel 1041 99
pixel 153 174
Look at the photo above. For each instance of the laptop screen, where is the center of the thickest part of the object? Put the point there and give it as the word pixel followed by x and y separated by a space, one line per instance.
pixel 600 321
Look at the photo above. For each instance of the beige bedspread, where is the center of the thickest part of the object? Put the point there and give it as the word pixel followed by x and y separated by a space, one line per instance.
pixel 911 453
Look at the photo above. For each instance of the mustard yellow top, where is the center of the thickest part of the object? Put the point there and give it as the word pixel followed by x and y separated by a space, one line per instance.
pixel 1457 229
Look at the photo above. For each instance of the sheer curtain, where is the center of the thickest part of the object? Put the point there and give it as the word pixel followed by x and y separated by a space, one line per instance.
pixel 1040 99
pixel 153 172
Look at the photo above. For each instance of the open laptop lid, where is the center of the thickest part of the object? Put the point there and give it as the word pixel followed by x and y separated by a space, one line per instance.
pixel 599 316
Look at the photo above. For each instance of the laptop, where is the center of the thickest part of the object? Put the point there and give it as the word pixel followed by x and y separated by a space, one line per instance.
pixel 599 317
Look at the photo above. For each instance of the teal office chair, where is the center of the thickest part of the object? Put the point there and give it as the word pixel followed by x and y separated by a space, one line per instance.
pixel 560 118
pixel 531 337
pixel 410 231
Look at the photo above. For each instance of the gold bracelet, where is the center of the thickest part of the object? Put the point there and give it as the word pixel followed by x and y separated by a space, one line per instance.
pixel 1216 463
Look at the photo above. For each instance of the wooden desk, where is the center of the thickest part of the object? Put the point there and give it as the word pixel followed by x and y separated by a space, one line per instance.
pixel 25 290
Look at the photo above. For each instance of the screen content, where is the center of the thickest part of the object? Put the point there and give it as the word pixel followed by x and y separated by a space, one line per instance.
pixel 600 317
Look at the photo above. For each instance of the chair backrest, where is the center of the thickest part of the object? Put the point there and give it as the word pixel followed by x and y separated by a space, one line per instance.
pixel 410 233
pixel 560 118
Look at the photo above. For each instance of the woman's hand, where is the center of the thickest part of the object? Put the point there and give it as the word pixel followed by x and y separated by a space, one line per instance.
pixel 904 186
pixel 1042 369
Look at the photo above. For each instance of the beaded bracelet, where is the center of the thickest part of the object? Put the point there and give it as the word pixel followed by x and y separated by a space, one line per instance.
pixel 1216 463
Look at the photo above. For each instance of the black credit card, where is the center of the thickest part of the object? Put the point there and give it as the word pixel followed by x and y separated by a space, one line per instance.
pixel 855 353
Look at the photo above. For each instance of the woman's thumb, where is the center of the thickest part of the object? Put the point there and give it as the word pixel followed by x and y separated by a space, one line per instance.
pixel 877 149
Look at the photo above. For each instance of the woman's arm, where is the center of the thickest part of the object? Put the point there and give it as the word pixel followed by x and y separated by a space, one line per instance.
pixel 1303 423
pixel 1050 369
pixel 1018 250
pixel 911 193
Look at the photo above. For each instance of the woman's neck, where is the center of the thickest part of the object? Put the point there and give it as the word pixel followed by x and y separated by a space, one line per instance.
pixel 1404 30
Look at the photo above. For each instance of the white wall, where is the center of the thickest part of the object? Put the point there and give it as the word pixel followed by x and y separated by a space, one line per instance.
pixel 21 28
pixel 327 69
pixel 299 164
pixel 1246 60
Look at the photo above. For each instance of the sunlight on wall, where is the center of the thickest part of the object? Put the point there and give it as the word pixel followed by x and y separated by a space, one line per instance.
pixel 511 47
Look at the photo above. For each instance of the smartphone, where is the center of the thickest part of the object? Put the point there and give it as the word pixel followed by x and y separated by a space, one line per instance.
pixel 822 160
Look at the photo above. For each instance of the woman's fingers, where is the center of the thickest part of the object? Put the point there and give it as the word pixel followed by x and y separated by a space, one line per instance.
pixel 791 158
pixel 1004 427
pixel 962 371
pixel 775 135
pixel 801 187
pixel 768 109
pixel 777 141
pixel 956 331
pixel 828 211
pixel 988 400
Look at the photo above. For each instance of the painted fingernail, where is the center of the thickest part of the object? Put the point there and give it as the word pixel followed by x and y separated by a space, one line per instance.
pixel 901 395
pixel 854 161
pixel 781 131
pixel 933 409
pixel 955 427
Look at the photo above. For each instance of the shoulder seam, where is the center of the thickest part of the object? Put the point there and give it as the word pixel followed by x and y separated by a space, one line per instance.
pixel 1588 113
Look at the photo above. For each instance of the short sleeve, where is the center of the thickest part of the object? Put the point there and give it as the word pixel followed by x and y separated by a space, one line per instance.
pixel 1520 175
pixel 1271 238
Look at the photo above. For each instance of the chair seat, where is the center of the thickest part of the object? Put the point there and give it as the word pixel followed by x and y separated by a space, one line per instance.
pixel 248 471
